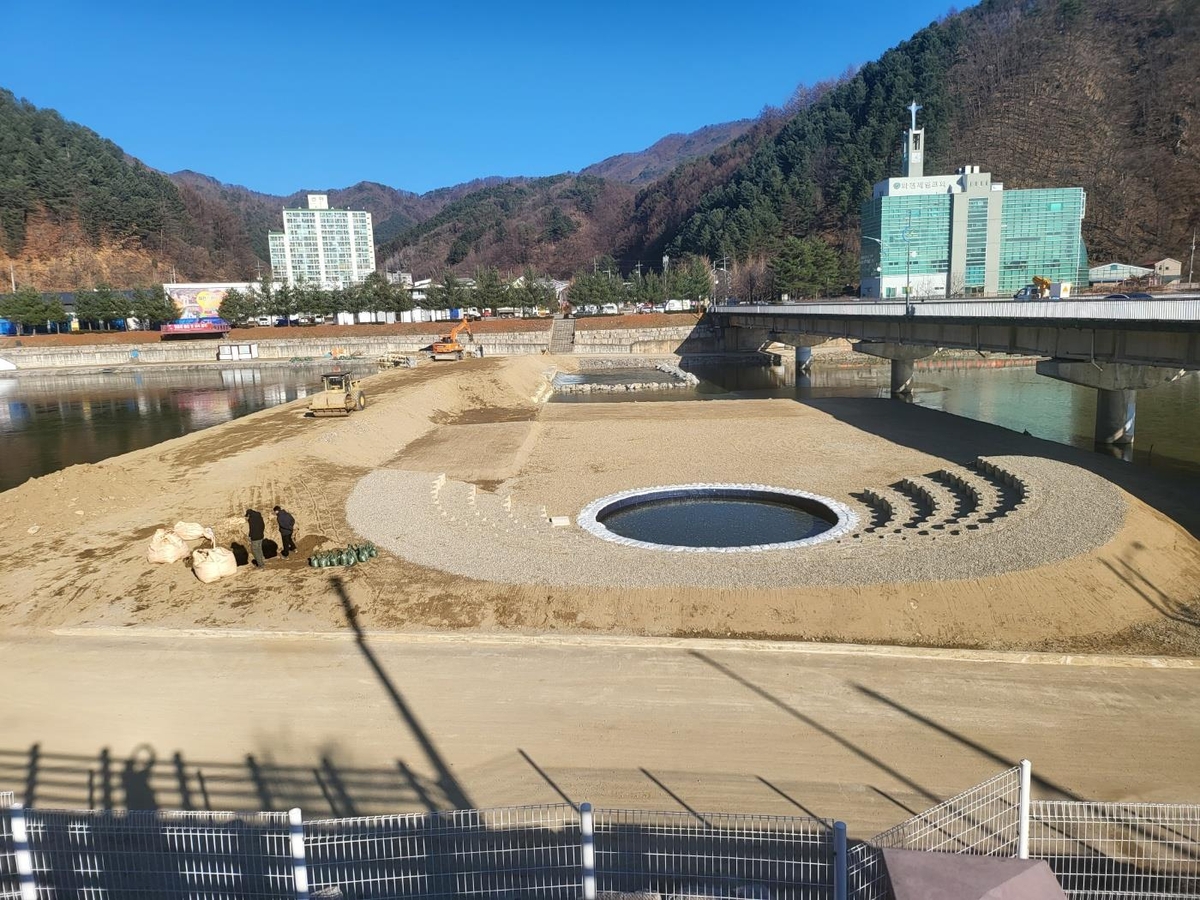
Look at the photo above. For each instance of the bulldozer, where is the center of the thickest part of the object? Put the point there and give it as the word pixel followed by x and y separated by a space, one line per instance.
pixel 340 395
pixel 448 346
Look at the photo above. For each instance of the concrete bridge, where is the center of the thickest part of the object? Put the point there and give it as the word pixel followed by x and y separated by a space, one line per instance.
pixel 1117 347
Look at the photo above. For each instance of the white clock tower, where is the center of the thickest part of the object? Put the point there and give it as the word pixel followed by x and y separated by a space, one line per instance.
pixel 914 146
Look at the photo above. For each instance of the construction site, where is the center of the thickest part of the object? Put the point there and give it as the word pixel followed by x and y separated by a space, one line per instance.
pixel 448 636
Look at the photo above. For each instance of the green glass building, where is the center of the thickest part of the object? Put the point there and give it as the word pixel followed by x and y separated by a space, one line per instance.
pixel 964 235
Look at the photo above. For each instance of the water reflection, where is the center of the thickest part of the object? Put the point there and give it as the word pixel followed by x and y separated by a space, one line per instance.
pixel 48 422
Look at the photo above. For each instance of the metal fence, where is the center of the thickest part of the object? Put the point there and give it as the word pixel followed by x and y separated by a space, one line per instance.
pixel 983 820
pixel 530 851
pixel 9 882
pixel 1103 850
pixel 707 855
pixel 137 853
pixel 554 852
pixel 559 852
pixel 867 874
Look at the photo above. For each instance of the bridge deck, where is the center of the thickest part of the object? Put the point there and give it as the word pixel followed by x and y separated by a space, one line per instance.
pixel 1157 313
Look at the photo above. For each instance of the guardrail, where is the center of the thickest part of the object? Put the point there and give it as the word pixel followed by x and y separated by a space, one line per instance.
pixel 1185 310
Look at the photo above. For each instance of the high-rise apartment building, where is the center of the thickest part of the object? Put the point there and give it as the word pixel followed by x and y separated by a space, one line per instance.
pixel 329 248
pixel 963 234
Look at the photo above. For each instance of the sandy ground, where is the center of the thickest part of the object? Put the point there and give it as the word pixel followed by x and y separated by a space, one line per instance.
pixel 401 723
pixel 72 544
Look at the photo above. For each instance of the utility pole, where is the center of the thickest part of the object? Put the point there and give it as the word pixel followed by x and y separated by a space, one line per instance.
pixel 1191 265
pixel 12 276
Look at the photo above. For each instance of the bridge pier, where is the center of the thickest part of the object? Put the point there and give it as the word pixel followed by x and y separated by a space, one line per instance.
pixel 902 357
pixel 802 343
pixel 1116 387
pixel 1116 413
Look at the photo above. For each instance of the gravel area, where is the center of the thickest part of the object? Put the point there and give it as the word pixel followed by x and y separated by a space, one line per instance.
pixel 503 536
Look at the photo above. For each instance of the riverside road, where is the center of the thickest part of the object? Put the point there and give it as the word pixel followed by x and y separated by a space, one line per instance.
pixel 358 723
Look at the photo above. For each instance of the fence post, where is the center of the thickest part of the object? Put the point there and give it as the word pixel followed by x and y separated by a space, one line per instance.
pixel 587 837
pixel 1023 810
pixel 24 858
pixel 299 863
pixel 841 875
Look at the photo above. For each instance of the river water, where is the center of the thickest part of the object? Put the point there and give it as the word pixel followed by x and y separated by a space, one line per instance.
pixel 48 422
pixel 51 421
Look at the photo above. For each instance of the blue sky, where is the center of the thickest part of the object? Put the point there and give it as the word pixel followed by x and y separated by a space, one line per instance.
pixel 286 96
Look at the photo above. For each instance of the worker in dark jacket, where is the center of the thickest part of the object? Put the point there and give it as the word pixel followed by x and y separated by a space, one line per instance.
pixel 287 524
pixel 257 529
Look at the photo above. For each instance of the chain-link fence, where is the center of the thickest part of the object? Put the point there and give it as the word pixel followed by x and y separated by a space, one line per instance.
pixel 710 855
pixel 1102 850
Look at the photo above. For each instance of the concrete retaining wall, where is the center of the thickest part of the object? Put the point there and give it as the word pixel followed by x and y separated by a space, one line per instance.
pixel 669 341
pixel 675 340
pixel 513 343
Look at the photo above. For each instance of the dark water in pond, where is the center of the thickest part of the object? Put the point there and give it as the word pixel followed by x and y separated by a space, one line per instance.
pixel 714 522
pixel 49 422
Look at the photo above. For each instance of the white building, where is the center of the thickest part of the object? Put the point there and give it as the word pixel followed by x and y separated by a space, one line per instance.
pixel 1116 272
pixel 329 248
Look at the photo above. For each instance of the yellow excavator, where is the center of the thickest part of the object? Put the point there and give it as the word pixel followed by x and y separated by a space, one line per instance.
pixel 448 347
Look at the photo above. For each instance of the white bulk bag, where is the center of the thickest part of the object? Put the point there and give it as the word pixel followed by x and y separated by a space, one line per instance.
pixel 166 547
pixel 189 531
pixel 211 565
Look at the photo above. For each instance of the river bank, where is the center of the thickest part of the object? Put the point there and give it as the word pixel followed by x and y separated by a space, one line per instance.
pixel 629 337
pixel 73 544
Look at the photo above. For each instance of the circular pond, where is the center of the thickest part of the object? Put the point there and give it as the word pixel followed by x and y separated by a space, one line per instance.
pixel 716 517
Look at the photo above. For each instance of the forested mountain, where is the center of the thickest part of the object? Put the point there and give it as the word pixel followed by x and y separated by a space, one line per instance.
pixel 554 224
pixel 75 210
pixel 1101 94
pixel 668 153
pixel 391 210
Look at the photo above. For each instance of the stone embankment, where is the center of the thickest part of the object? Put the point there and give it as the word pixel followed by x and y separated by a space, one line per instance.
pixel 598 336
pixel 678 378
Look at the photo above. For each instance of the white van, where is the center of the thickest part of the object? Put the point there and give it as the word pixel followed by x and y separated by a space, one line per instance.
pixel 609 309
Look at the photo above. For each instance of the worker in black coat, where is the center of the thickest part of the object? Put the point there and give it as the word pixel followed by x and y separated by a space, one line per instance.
pixel 258 528
pixel 287 524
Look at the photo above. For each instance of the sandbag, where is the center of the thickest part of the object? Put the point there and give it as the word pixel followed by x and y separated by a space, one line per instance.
pixel 189 531
pixel 166 547
pixel 212 565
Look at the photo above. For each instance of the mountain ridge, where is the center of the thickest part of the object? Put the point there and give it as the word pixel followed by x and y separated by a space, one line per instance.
pixel 1103 94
